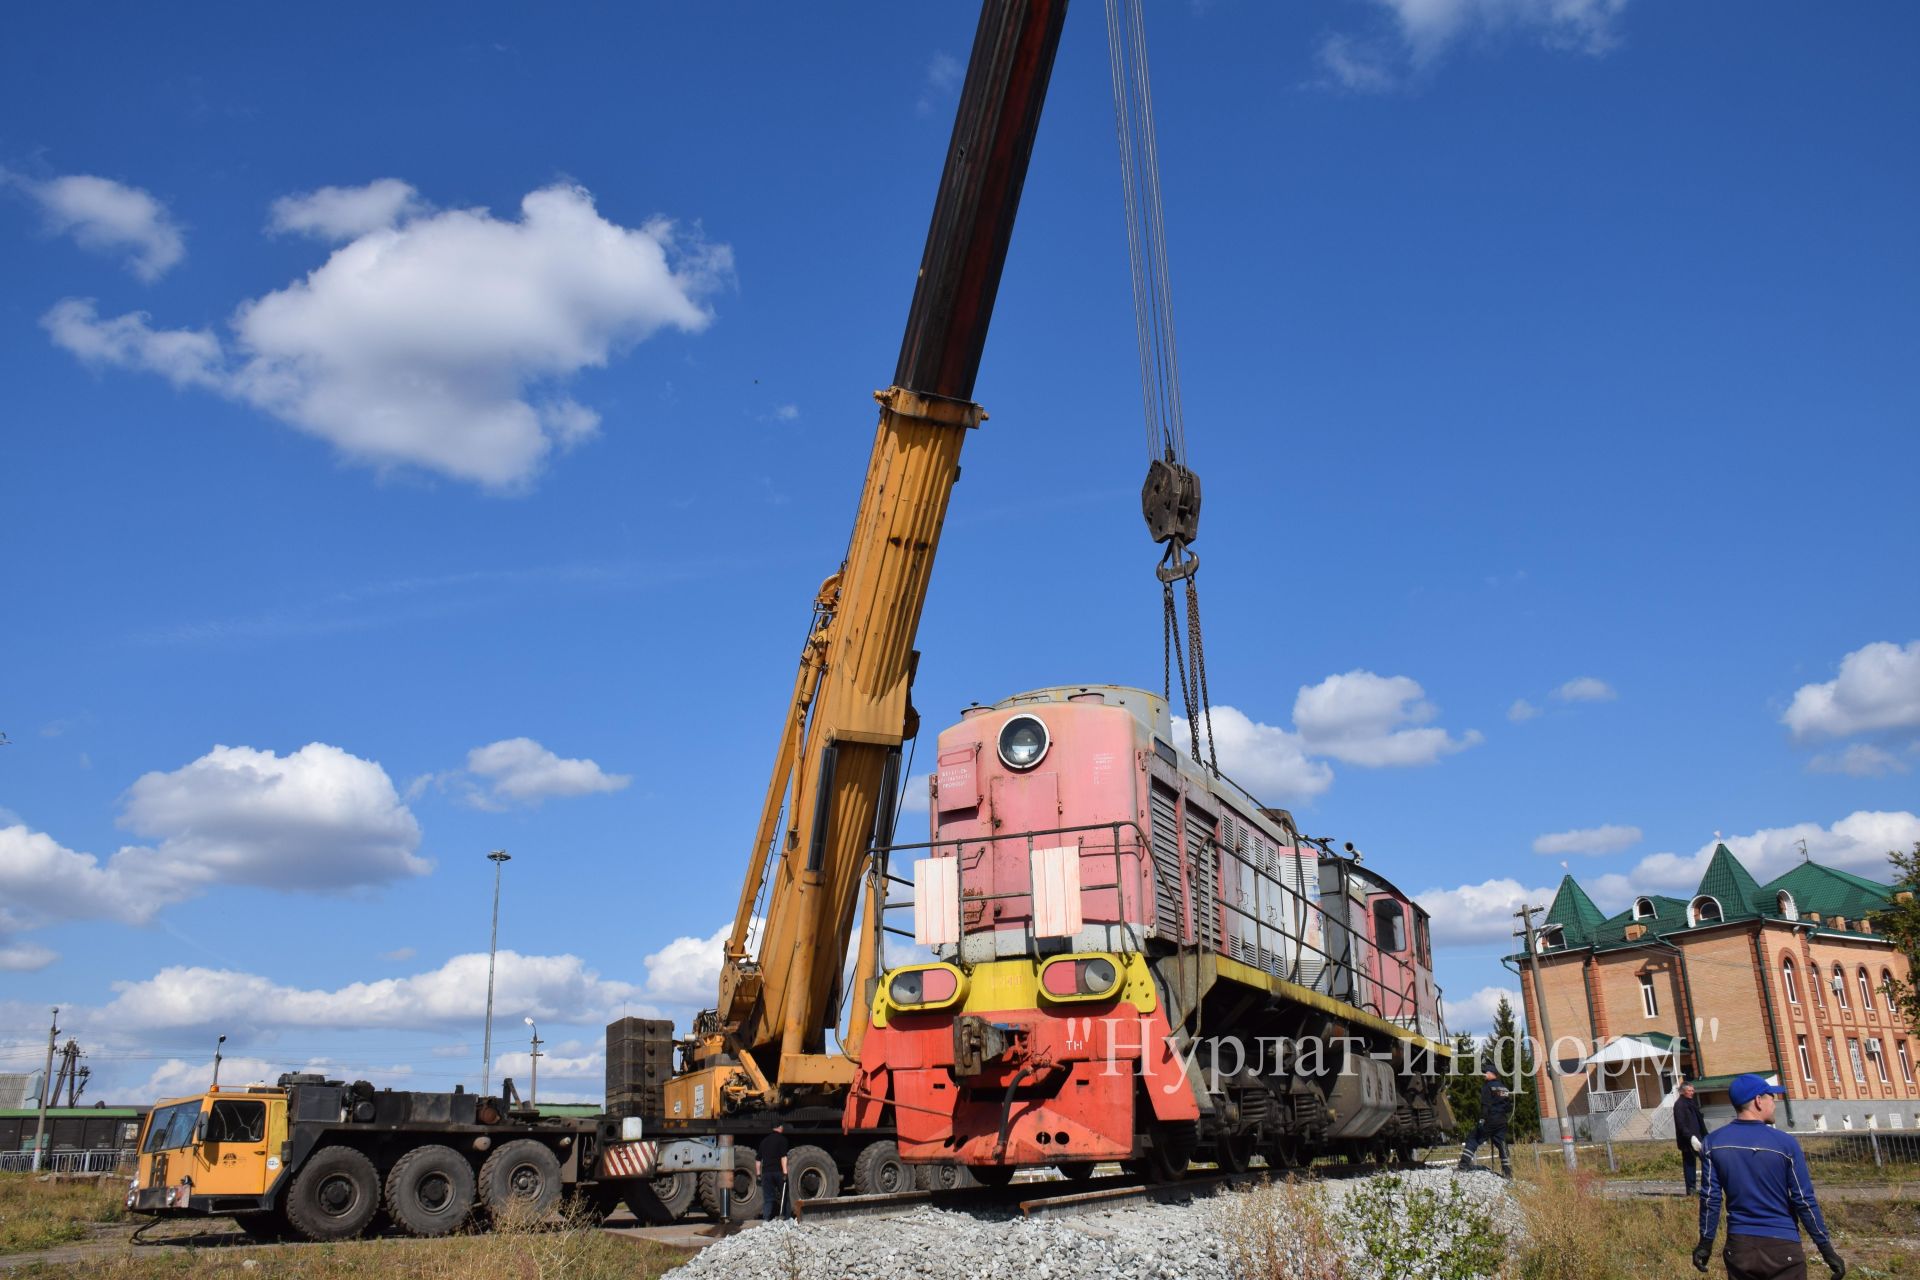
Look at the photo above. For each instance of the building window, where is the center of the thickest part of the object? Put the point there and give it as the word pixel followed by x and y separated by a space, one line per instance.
pixel 1866 991
pixel 1784 901
pixel 1906 1063
pixel 1704 909
pixel 1859 1065
pixel 1886 989
pixel 1648 999
pixel 1787 976
pixel 1879 1058
pixel 1643 909
pixel 1548 938
pixel 1840 986
pixel 1806 1060
pixel 1833 1063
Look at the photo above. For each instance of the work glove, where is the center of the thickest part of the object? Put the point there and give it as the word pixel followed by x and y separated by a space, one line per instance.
pixel 1835 1263
pixel 1702 1253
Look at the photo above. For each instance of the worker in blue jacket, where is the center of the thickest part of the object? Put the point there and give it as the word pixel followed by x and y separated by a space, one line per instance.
pixel 1761 1173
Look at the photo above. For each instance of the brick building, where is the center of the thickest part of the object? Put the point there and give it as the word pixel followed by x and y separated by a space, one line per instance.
pixel 1786 979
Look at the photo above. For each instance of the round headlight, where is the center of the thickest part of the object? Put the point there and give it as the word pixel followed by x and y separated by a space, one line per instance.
pixel 1023 740
pixel 1097 975
pixel 906 988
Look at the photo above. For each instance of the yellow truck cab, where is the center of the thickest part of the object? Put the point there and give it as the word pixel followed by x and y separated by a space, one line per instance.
pixel 216 1153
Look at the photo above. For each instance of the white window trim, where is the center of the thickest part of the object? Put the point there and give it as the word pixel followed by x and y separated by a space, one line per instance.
pixel 1906 1062
pixel 1806 1059
pixel 1840 988
pixel 1791 979
pixel 1649 998
pixel 1856 1060
pixel 1693 910
pixel 1866 991
pixel 1639 914
pixel 1886 990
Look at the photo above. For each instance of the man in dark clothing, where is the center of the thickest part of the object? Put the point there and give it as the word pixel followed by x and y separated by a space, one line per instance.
pixel 1496 1112
pixel 1762 1173
pixel 773 1173
pixel 1689 1130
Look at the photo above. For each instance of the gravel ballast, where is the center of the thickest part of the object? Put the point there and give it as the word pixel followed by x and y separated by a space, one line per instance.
pixel 1143 1241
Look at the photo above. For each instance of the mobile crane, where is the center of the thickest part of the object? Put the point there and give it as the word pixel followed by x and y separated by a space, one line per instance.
pixel 760 1056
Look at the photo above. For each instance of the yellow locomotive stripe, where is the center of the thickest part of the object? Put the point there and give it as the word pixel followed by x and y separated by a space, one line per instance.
pixel 1249 976
pixel 1000 986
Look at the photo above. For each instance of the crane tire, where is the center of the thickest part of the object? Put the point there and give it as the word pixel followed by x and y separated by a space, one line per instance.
pixel 944 1175
pixel 430 1191
pixel 811 1175
pixel 334 1196
pixel 520 1181
pixel 745 1203
pixel 879 1170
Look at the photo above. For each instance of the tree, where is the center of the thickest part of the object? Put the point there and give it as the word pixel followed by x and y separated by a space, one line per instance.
pixel 1463 1085
pixel 1900 924
pixel 1510 1053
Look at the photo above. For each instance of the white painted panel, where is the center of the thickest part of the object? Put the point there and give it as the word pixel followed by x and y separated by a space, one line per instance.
pixel 936 901
pixel 1056 892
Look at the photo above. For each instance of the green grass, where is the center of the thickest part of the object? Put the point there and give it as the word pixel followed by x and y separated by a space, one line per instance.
pixel 40 1214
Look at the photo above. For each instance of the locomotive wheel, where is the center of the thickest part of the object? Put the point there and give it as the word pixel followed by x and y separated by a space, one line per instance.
pixel 880 1171
pixel 430 1191
pixel 335 1195
pixel 994 1175
pixel 811 1175
pixel 1076 1170
pixel 521 1178
pixel 1234 1153
pixel 1167 1158
pixel 744 1203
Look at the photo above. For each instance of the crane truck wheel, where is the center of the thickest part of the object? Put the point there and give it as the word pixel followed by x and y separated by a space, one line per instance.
pixel 265 1227
pixel 520 1181
pixel 430 1191
pixel 879 1170
pixel 811 1175
pixel 944 1175
pixel 674 1191
pixel 745 1202
pixel 334 1196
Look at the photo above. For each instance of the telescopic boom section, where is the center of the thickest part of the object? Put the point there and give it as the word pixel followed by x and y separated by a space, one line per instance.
pixel 838 752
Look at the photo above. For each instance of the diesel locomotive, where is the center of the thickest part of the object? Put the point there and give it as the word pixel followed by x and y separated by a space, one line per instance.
pixel 1132 960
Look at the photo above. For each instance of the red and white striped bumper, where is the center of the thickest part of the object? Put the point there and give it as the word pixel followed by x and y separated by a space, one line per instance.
pixel 629 1160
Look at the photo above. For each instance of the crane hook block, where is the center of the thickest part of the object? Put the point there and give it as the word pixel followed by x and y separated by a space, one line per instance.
pixel 1170 500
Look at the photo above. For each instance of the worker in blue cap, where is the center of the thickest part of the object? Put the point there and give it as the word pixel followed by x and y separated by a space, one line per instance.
pixel 1762 1175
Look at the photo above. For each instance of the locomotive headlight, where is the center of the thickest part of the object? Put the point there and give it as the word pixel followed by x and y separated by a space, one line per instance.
pixel 1023 740
pixel 927 986
pixel 1083 977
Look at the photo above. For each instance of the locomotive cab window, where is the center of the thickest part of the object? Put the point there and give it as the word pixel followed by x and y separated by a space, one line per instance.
pixel 1389 926
pixel 237 1121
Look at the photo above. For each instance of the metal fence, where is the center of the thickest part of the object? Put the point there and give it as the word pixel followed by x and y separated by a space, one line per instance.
pixel 1869 1148
pixel 110 1160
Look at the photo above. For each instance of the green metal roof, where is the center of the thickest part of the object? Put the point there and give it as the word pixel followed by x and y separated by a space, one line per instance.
pixel 1575 913
pixel 1731 885
pixel 1708 1083
pixel 1829 892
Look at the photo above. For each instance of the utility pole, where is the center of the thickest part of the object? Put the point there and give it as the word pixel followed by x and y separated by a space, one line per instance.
pixel 1525 914
pixel 46 1087
pixel 498 857
pixel 533 1089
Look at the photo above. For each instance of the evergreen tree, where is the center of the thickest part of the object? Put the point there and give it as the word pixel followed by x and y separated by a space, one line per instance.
pixel 1900 923
pixel 1510 1053
pixel 1463 1085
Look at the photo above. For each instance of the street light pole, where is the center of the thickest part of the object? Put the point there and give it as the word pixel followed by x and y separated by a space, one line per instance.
pixel 216 1062
pixel 498 857
pixel 1546 1033
pixel 46 1087
pixel 533 1086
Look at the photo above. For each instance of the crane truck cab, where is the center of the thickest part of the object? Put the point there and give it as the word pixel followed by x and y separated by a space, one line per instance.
pixel 214 1153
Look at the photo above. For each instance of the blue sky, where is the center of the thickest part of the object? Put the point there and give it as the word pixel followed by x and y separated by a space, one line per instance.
pixel 1549 368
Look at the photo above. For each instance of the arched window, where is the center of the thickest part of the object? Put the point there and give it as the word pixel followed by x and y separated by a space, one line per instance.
pixel 1787 976
pixel 1784 901
pixel 1866 991
pixel 1886 989
pixel 1840 985
pixel 1549 938
pixel 1643 908
pixel 1703 910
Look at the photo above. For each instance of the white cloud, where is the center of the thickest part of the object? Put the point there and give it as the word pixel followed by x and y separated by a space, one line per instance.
pixel 570 1061
pixel 787 412
pixel 346 213
pixel 177 1077
pixel 1860 760
pixel 43 880
pixel 24 957
pixel 399 955
pixel 1269 761
pixel 944 72
pixel 1878 688
pixel 1474 1014
pixel 521 771
pixel 1521 711
pixel 918 796
pixel 1585 689
pixel 687 970
pixel 1588 840
pixel 1418 33
pixel 442 342
pixel 560 988
pixel 105 216
pixel 1858 843
pixel 1475 913
pixel 316 819
pixel 1369 720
